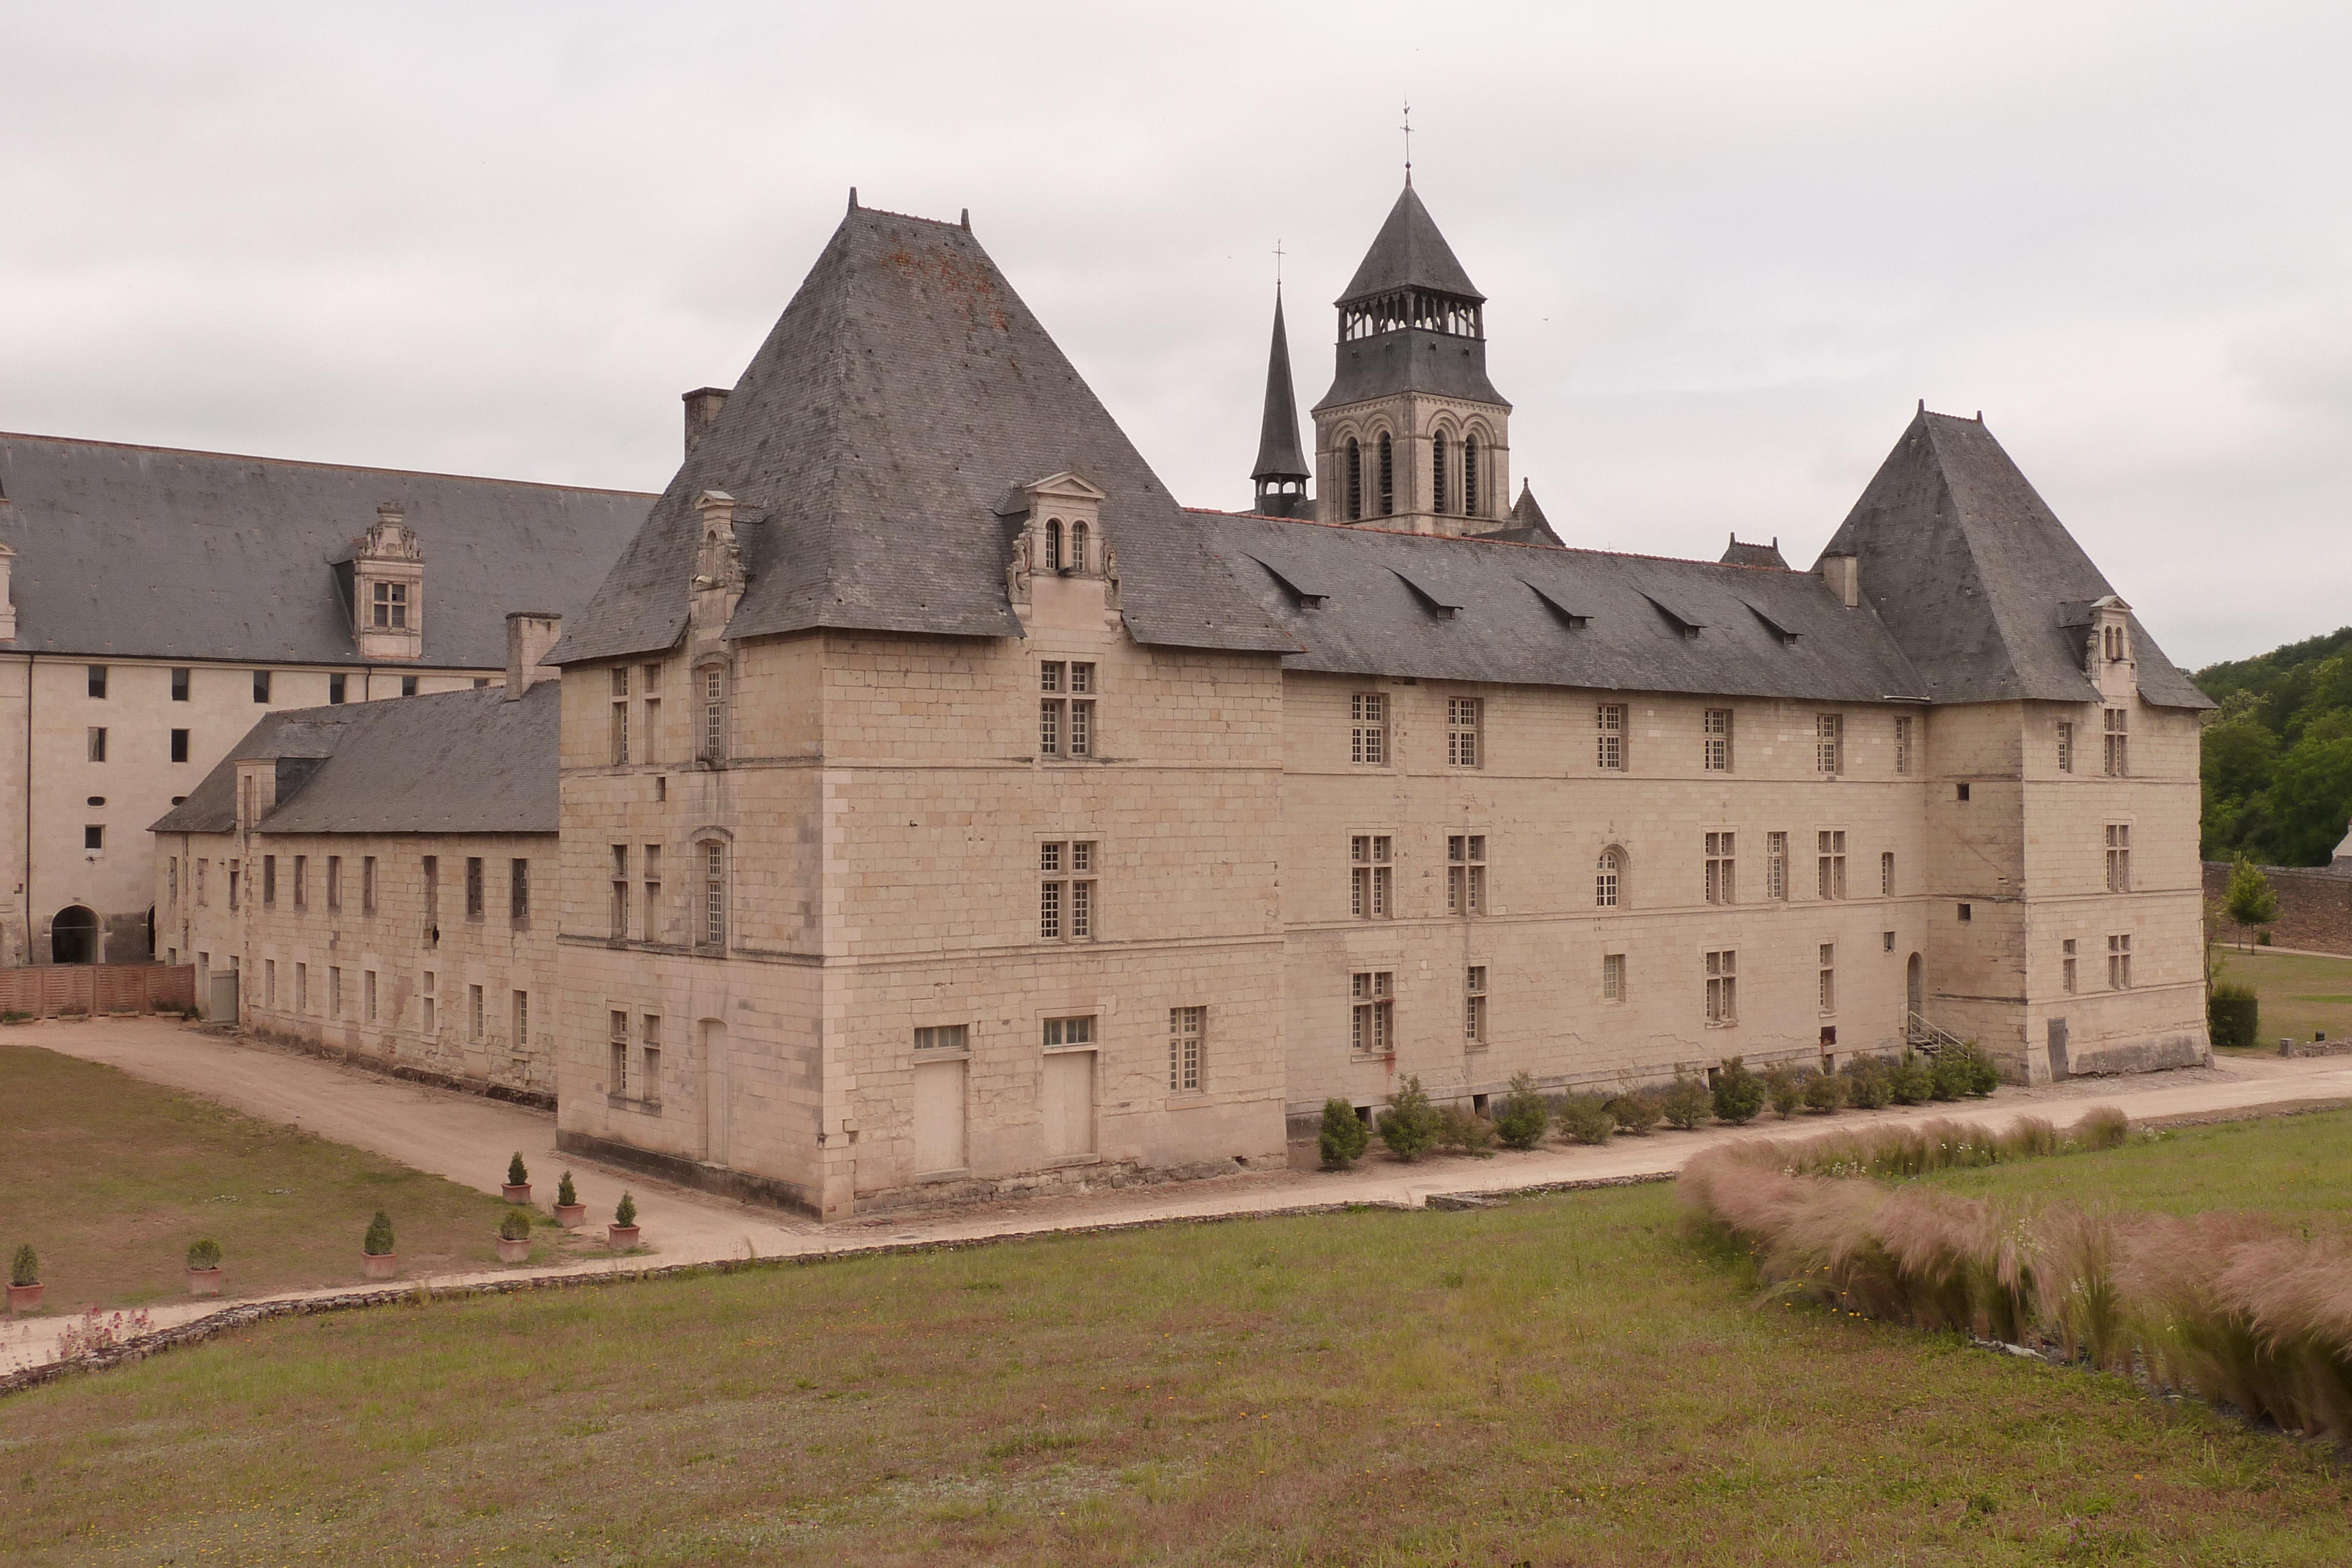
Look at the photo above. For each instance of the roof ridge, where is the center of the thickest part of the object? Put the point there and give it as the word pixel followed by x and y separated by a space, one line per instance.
pixel 1500 544
pixel 312 462
pixel 912 217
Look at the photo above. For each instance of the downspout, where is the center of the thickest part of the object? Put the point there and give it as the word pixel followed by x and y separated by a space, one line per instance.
pixel 31 658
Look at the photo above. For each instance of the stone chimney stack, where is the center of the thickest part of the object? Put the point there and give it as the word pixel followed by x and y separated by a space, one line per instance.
pixel 702 406
pixel 1843 574
pixel 7 592
pixel 530 635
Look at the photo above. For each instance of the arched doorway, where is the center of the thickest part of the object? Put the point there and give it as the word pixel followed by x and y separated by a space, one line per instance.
pixel 73 935
pixel 1915 985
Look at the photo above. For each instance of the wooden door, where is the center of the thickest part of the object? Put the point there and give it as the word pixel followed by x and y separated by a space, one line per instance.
pixel 939 1116
pixel 717 1099
pixel 1069 1104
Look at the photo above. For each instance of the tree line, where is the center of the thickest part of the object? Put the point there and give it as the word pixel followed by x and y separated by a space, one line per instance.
pixel 2277 763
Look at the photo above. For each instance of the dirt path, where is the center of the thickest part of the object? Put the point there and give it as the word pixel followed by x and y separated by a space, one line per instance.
pixel 467 1139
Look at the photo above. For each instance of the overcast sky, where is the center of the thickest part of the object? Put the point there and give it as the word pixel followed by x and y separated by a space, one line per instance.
pixel 1726 246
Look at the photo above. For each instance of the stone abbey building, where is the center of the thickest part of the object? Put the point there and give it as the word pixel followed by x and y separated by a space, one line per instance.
pixel 943 809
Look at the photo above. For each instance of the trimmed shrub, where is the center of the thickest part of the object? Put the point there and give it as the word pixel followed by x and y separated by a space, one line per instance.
pixel 2234 1014
pixel 1784 1086
pixel 1824 1093
pixel 1984 1072
pixel 1686 1102
pixel 1869 1083
pixel 564 1192
pixel 1463 1130
pixel 625 1211
pixel 1636 1111
pixel 203 1254
pixel 516 1175
pixel 1409 1126
pixel 1911 1081
pixel 2101 1127
pixel 25 1268
pixel 1950 1076
pixel 1524 1116
pixel 1586 1118
pixel 515 1224
pixel 377 1243
pixel 1738 1093
pixel 1341 1140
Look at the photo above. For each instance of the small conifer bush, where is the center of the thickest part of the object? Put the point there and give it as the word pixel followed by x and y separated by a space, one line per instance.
pixel 516 1175
pixel 516 1225
pixel 1784 1086
pixel 1738 1093
pixel 1869 1083
pixel 564 1192
pixel 2235 1014
pixel 1463 1130
pixel 1825 1092
pixel 1911 1081
pixel 378 1240
pixel 25 1268
pixel 1409 1126
pixel 1524 1116
pixel 203 1254
pixel 1686 1102
pixel 1636 1111
pixel 1343 1137
pixel 1984 1073
pixel 1586 1118
pixel 626 1212
pixel 1950 1075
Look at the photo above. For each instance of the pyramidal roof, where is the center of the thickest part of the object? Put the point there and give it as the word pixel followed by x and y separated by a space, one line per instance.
pixel 1408 253
pixel 1280 455
pixel 904 389
pixel 1973 574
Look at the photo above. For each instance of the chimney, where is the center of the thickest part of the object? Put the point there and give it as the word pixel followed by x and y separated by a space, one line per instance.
pixel 530 635
pixel 702 406
pixel 1843 574
pixel 8 593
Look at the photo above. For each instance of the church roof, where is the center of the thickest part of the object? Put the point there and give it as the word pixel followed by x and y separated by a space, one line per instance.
pixel 1280 455
pixel 1974 575
pixel 904 390
pixel 147 551
pixel 1408 253
pixel 455 762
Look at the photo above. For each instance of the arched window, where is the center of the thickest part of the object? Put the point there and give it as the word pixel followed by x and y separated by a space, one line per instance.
pixel 1077 547
pixel 1437 470
pixel 711 930
pixel 1054 545
pixel 1471 506
pixel 1607 874
pixel 1388 476
pixel 1355 480
pixel 712 731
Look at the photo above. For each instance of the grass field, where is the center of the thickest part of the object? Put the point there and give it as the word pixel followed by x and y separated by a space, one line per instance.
pixel 2298 1167
pixel 110 1177
pixel 1562 1380
pixel 2299 994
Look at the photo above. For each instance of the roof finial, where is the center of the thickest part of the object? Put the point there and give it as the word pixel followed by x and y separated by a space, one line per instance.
pixel 1407 139
pixel 1277 266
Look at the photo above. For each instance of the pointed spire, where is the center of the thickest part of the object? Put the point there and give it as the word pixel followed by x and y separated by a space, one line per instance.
pixel 1281 470
pixel 1408 253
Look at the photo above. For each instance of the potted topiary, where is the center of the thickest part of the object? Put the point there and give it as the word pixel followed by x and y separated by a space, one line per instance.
pixel 517 1187
pixel 514 1236
pixel 570 1212
pixel 622 1234
pixel 377 1258
pixel 204 1269
pixel 25 1285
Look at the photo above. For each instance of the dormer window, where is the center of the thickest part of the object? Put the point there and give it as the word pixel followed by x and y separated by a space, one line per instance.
pixel 1054 545
pixel 390 606
pixel 1061 540
pixel 385 588
pixel 2111 638
pixel 1078 546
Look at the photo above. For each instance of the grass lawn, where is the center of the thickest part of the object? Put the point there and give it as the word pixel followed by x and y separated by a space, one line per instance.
pixel 2299 995
pixel 110 1177
pixel 1568 1379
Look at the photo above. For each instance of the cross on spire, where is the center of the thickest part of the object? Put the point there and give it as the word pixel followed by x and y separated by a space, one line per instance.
pixel 1277 266
pixel 1408 141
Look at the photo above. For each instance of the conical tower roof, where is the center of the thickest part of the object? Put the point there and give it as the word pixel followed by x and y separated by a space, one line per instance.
pixel 1408 253
pixel 1280 455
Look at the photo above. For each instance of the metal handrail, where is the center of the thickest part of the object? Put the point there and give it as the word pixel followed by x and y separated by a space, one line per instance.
pixel 1921 1035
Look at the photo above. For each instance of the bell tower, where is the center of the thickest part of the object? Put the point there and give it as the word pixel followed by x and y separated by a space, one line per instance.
pixel 1412 435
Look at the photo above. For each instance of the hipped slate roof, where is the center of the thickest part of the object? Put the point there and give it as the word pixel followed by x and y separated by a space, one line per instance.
pixel 147 551
pixel 456 762
pixel 1973 574
pixel 1528 615
pixel 1408 253
pixel 904 390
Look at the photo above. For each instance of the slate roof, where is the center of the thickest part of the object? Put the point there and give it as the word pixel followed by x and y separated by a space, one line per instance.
pixel 1735 553
pixel 1973 573
pixel 1408 253
pixel 904 388
pixel 455 762
pixel 1528 524
pixel 149 551
pixel 1280 455
pixel 1527 614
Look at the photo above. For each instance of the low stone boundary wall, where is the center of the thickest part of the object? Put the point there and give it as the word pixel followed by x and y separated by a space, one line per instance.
pixel 2315 1048
pixel 2314 905
pixel 46 991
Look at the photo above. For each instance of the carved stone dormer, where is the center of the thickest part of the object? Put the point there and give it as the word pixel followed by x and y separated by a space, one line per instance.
pixel 2108 657
pixel 718 566
pixel 388 587
pixel 1062 541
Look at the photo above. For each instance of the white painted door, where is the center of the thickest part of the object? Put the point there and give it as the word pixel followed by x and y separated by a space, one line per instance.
pixel 1069 1100
pixel 718 1102
pixel 939 1116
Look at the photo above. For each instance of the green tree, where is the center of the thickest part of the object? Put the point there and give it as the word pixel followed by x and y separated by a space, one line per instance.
pixel 1409 1126
pixel 1738 1093
pixel 2310 796
pixel 2249 901
pixel 1524 1115
pixel 1343 1137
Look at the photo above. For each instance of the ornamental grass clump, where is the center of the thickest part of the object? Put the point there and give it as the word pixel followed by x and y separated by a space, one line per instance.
pixel 1784 1086
pixel 1585 1118
pixel 1635 1112
pixel 2100 1127
pixel 1738 1093
pixel 1409 1126
pixel 1686 1102
pixel 1524 1116
pixel 1343 1137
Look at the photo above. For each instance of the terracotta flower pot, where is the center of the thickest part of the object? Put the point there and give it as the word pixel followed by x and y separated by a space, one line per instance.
pixel 515 1194
pixel 379 1265
pixel 572 1215
pixel 204 1282
pixel 514 1251
pixel 621 1237
pixel 25 1298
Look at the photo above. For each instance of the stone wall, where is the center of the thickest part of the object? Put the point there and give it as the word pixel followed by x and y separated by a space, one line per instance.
pixel 2314 905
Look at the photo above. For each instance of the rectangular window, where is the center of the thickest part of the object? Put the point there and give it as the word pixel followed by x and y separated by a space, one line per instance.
pixel 302 881
pixel 202 866
pixel 430 1020
pixel 649 687
pixel 335 991
pixel 651 866
pixel 518 891
pixel 620 893
pixel 337 689
pixel 1466 873
pixel 714 713
pixel 430 867
pixel 473 887
pixel 408 685
pixel 1065 900
pixel 2066 960
pixel 388 606
pixel 302 988
pixel 649 1031
pixel 367 995
pixel 173 895
pixel 367 885
pixel 1715 733
pixel 179 685
pixel 2065 747
pixel 1830 866
pixel 1070 1032
pixel 1967 913
pixel 1886 873
pixel 261 685
pixel 270 881
pixel 714 894
pixel 617 1041
pixel 1473 1005
pixel 1605 873
pixel 1368 715
pixel 334 883
pixel 1609 721
pixel 269 982
pixel 620 719
pixel 1374 1019
pixel 98 680
pixel 2119 963
pixel 474 1013
pixel 1722 868
pixel 2118 741
pixel 1828 743
pixel 97 743
pixel 1185 1029
pixel 1902 746
pixel 1066 721
pixel 1368 866
pixel 1612 977
pixel 232 880
pixel 521 1019
pixel 179 746
pixel 943 1037
pixel 1776 867
pixel 1463 716
pixel 2118 857
pixel 1825 990
pixel 1722 987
